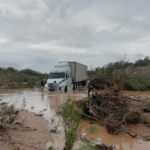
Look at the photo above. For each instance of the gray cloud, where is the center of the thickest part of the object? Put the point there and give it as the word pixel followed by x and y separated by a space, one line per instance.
pixel 36 34
pixel 138 55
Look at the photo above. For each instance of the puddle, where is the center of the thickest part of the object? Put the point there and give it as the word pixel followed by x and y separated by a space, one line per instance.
pixel 51 102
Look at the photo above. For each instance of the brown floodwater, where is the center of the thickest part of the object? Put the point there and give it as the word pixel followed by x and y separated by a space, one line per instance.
pixel 36 101
pixel 121 141
pixel 137 93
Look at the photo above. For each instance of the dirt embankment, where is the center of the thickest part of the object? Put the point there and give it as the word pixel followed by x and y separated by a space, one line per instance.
pixel 29 132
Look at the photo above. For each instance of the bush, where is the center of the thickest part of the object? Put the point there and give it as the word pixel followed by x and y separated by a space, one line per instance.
pixel 8 114
pixel 137 82
pixel 71 117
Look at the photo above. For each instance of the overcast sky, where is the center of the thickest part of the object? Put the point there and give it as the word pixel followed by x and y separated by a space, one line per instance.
pixel 37 33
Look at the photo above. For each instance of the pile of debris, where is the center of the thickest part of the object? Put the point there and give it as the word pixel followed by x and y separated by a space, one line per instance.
pixel 109 108
pixel 104 147
pixel 101 83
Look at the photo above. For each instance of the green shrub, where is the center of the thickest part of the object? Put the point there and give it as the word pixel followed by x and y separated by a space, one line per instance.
pixel 71 117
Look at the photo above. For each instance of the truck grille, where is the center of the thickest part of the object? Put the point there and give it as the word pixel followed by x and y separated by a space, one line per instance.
pixel 51 87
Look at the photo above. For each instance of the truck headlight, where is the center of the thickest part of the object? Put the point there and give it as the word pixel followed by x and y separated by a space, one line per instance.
pixel 61 86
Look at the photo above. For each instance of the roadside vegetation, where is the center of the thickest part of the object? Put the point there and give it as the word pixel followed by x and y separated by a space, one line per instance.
pixel 136 75
pixel 13 78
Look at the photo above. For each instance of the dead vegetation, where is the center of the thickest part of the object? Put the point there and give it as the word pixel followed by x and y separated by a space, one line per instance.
pixel 110 106
pixel 107 110
pixel 8 115
pixel 102 146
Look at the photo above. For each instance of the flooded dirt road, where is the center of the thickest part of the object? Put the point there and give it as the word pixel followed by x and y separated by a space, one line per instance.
pixel 37 101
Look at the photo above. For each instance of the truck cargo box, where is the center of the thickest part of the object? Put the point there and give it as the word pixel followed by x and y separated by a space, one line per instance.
pixel 79 72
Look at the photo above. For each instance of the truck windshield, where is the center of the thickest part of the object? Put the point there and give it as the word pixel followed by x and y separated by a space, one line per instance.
pixel 56 75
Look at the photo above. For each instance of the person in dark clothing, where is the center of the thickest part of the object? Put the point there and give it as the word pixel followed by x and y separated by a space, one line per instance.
pixel 42 84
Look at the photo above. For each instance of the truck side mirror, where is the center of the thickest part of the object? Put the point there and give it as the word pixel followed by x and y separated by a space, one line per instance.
pixel 66 76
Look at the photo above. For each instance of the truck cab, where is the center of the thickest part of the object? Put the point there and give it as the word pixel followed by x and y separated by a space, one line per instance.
pixel 61 73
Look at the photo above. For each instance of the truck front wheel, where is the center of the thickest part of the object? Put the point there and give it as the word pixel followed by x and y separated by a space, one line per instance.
pixel 65 89
pixel 83 83
pixel 74 86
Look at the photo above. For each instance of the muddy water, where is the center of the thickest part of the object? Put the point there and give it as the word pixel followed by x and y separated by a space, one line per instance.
pixel 37 101
pixel 137 93
pixel 121 141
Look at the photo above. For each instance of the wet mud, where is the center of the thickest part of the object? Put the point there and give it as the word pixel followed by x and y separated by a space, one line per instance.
pixel 36 101
pixel 30 135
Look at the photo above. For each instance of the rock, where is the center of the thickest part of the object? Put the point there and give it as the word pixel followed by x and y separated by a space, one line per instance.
pixel 39 114
pixel 44 109
pixel 17 111
pixel 32 107
pixel 16 148
pixel 146 138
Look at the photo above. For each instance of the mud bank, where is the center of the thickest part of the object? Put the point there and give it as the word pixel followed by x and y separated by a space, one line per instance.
pixel 32 134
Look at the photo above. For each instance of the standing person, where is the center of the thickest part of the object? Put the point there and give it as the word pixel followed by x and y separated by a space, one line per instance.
pixel 56 85
pixel 42 84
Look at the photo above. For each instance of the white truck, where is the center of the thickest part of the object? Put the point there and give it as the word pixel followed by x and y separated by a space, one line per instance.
pixel 69 75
